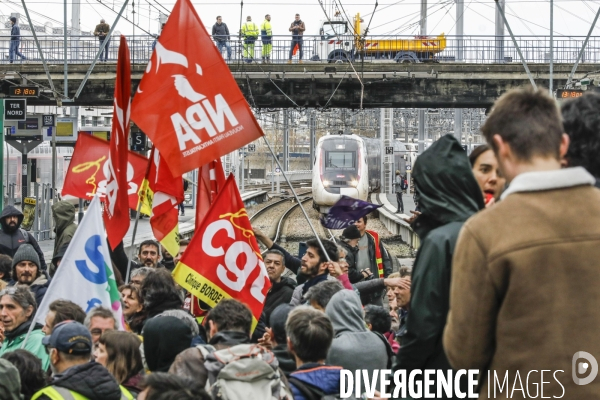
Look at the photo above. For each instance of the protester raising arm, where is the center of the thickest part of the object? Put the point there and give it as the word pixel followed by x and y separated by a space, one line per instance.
pixel 292 263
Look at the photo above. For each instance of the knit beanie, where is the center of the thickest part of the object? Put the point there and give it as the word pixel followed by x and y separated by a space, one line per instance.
pixel 26 252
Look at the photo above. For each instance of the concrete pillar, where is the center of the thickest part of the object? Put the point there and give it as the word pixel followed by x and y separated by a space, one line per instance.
pixel 460 10
pixel 500 33
pixel 423 17
pixel 286 139
pixel 458 124
pixel 312 121
pixel 421 131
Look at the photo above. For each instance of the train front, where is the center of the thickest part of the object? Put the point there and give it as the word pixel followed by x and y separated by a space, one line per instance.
pixel 339 170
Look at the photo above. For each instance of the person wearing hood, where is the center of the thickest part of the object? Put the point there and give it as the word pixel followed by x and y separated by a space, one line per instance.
pixel 63 214
pixel 164 339
pixel 10 384
pixel 26 271
pixel 354 346
pixel 448 195
pixel 74 376
pixel 228 324
pixel 12 236
pixel 315 266
pixel 17 310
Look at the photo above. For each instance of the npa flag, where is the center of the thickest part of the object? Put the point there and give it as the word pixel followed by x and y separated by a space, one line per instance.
pixel 223 260
pixel 85 275
pixel 88 169
pixel 187 102
pixel 345 212
pixel 116 210
pixel 212 179
pixel 162 192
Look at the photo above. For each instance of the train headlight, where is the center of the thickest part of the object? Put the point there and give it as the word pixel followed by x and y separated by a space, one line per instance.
pixel 326 183
pixel 354 183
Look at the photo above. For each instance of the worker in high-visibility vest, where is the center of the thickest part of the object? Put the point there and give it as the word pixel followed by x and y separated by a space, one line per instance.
pixel 70 349
pixel 372 259
pixel 266 33
pixel 249 33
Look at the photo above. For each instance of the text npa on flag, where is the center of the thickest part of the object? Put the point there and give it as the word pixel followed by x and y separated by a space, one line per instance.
pixel 223 260
pixel 206 115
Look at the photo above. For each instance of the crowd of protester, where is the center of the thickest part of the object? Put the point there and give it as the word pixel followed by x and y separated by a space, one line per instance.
pixel 504 280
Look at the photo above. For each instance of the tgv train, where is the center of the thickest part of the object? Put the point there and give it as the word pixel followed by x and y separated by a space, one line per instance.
pixel 349 165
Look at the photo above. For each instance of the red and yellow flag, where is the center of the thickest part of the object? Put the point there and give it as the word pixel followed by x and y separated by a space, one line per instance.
pixel 210 182
pixel 223 259
pixel 160 194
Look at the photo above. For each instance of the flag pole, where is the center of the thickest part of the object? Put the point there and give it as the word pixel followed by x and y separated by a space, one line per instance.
pixel 135 225
pixel 29 331
pixel 297 199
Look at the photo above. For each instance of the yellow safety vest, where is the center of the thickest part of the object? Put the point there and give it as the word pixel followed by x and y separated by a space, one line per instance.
pixel 378 257
pixel 250 29
pixel 61 393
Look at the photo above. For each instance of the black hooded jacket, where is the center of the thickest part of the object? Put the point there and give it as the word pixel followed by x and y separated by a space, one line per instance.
pixel 164 338
pixel 90 380
pixel 448 196
pixel 10 241
pixel 280 293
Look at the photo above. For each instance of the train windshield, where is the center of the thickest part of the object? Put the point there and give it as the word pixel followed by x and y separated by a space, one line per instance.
pixel 340 159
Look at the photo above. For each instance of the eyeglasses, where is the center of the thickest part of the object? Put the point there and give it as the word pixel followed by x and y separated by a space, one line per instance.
pixel 9 291
pixel 98 331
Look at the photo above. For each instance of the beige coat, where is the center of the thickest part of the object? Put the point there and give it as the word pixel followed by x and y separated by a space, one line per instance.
pixel 102 29
pixel 525 292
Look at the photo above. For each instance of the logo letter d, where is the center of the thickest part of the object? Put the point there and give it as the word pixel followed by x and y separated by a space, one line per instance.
pixel 583 367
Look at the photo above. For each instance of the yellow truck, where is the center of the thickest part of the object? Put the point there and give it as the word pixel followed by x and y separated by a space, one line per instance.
pixel 339 43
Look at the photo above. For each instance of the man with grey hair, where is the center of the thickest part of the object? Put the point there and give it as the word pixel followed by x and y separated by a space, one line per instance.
pixel 98 320
pixel 102 31
pixel 17 310
pixel 138 275
pixel 319 295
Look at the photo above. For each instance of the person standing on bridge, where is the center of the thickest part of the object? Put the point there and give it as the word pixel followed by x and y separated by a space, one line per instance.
pixel 297 28
pixel 102 31
pixel 266 33
pixel 15 40
pixel 400 188
pixel 220 34
pixel 249 33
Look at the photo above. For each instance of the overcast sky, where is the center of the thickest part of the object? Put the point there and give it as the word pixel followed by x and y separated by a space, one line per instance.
pixel 526 17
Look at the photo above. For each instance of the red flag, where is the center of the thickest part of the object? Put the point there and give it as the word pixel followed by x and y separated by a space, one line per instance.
pixel 188 102
pixel 88 168
pixel 116 210
pixel 212 179
pixel 163 192
pixel 296 48
pixel 223 260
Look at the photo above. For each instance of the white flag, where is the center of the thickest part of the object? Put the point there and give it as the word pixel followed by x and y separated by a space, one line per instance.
pixel 85 275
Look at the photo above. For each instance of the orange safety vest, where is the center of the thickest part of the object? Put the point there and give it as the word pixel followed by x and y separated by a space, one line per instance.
pixel 378 258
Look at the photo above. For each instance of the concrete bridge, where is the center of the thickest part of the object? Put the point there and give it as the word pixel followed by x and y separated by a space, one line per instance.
pixel 386 84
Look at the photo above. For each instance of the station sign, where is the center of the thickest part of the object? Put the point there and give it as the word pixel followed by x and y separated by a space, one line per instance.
pixel 251 148
pixel 389 150
pixel 15 109
pixel 23 91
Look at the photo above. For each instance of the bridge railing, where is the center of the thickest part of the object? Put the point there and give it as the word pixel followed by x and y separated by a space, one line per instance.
pixel 469 49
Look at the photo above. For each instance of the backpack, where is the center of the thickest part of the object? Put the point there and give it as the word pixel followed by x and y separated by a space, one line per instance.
pixel 25 234
pixel 245 371
pixel 403 184
pixel 311 392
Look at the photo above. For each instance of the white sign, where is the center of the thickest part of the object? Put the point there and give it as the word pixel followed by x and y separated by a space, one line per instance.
pixel 277 169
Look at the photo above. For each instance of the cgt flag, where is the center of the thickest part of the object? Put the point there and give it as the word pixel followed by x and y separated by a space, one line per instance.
pixel 206 116
pixel 85 275
pixel 212 179
pixel 345 212
pixel 223 260
pixel 116 212
pixel 161 192
pixel 88 169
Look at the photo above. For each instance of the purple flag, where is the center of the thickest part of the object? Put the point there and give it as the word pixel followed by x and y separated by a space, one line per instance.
pixel 345 212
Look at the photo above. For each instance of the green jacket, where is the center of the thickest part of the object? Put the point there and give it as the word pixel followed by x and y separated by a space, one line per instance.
pixel 64 218
pixel 265 28
pixel 14 340
pixel 250 29
pixel 448 195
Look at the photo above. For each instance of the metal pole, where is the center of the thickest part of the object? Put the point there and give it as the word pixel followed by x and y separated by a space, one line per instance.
pixel 2 156
pixel 102 46
pixel 460 10
pixel 272 176
pixel 458 124
pixel 421 132
pixel 132 249
pixel 80 214
pixel 24 186
pixel 587 38
pixel 313 136
pixel 551 44
pixel 298 201
pixel 243 167
pixel 499 33
pixel 423 17
pixel 516 46
pixel 286 137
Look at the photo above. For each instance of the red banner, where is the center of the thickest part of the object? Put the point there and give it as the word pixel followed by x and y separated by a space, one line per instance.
pixel 223 260
pixel 116 212
pixel 188 103
pixel 88 169
pixel 210 182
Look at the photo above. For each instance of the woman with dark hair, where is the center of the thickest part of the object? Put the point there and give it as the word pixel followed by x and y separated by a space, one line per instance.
pixel 30 370
pixel 485 168
pixel 160 293
pixel 119 353
pixel 133 307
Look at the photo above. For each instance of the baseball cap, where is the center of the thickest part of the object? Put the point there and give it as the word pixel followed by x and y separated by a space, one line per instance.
pixel 66 335
pixel 351 232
